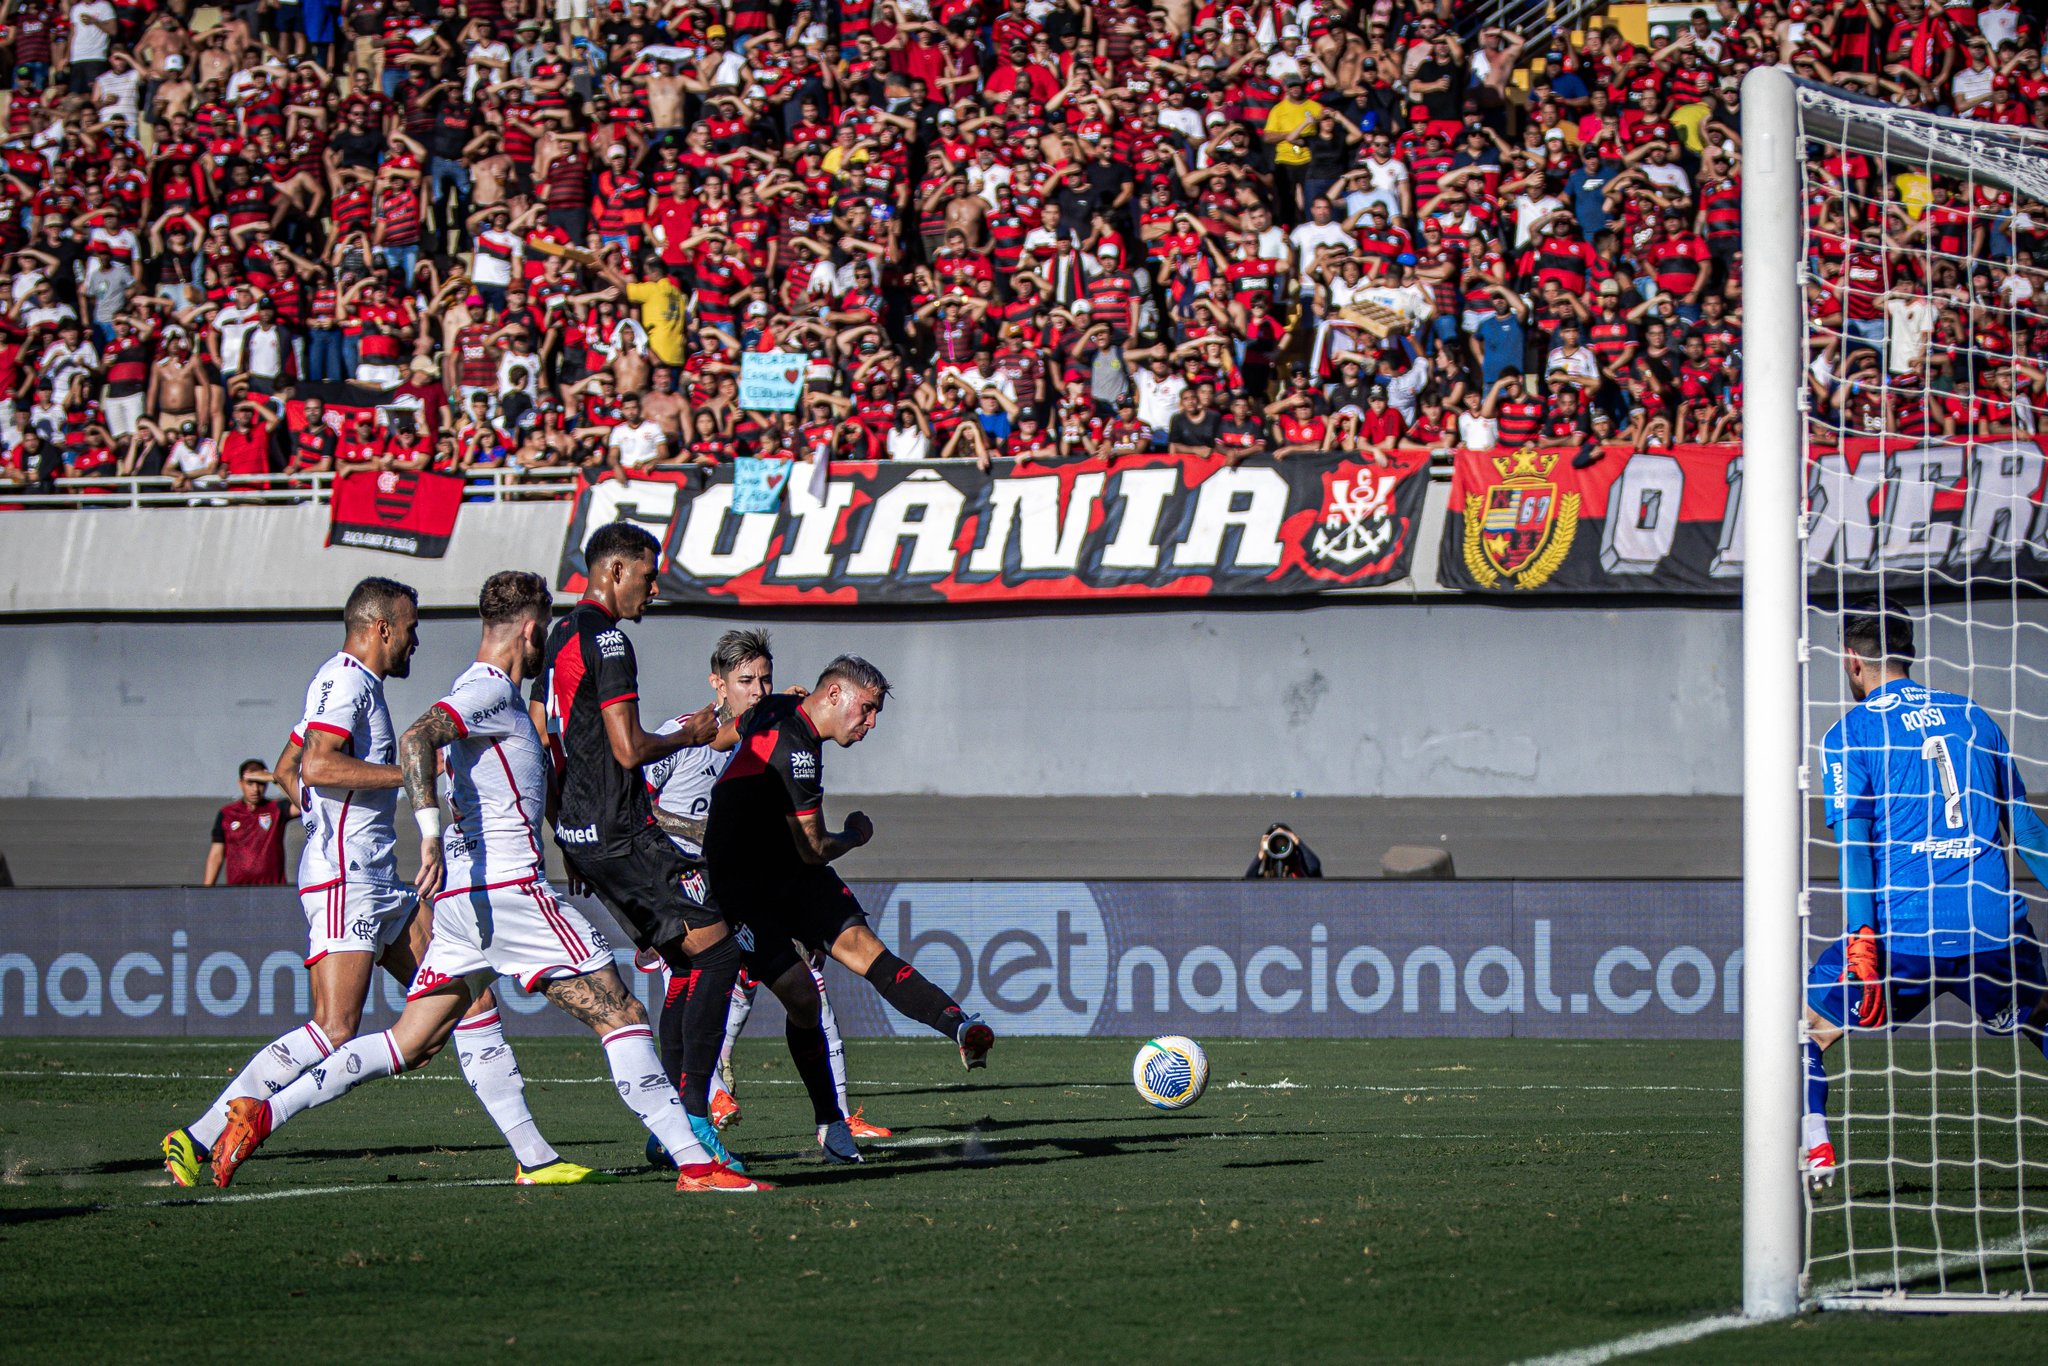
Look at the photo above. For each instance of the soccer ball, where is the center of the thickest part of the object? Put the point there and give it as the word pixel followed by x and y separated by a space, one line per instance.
pixel 1170 1072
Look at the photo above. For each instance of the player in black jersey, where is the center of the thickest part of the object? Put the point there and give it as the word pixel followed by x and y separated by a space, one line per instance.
pixel 586 701
pixel 766 848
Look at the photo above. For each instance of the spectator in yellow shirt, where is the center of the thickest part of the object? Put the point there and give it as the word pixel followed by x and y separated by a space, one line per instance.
pixel 1288 128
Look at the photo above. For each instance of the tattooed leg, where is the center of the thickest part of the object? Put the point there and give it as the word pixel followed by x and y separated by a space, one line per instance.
pixel 598 999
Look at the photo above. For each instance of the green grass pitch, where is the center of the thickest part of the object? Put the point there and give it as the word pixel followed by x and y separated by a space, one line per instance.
pixel 1390 1201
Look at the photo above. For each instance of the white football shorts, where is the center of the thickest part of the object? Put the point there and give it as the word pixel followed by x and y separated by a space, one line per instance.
pixel 516 929
pixel 355 917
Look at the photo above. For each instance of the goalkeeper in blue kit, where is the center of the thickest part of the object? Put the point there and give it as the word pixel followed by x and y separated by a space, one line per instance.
pixel 1924 797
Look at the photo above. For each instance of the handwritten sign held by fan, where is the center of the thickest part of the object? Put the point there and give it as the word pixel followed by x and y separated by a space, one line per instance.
pixel 770 381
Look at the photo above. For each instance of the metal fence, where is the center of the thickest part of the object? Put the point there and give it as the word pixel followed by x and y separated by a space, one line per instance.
pixel 281 490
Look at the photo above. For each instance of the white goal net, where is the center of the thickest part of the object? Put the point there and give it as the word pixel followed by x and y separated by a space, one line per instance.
pixel 1897 334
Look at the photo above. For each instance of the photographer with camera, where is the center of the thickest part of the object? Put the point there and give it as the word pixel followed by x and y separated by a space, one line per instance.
pixel 1282 853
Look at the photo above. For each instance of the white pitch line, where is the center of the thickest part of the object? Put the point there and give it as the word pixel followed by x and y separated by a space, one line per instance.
pixel 1282 1085
pixel 1650 1341
pixel 300 1193
pixel 1642 1342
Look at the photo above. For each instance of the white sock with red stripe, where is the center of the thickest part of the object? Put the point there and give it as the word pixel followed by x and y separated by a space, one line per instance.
pixel 493 1073
pixel 270 1071
pixel 646 1090
pixel 349 1066
pixel 835 1051
pixel 741 1006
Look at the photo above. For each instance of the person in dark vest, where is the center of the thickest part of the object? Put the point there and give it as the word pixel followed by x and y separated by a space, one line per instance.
pixel 248 834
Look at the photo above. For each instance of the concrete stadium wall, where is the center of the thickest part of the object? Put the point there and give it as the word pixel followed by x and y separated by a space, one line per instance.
pixel 1348 695
pixel 238 559
pixel 1337 698
pixel 1334 698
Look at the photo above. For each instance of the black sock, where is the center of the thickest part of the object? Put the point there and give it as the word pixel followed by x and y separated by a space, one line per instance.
pixel 912 993
pixel 670 1030
pixel 807 1048
pixel 704 1008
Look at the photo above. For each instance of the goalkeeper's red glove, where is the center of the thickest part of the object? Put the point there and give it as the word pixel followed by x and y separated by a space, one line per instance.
pixel 1861 957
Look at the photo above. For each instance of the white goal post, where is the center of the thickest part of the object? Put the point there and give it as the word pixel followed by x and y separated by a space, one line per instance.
pixel 1785 663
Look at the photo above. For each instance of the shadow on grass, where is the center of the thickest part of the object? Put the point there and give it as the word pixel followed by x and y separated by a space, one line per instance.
pixel 39 1214
pixel 954 1088
pixel 975 1150
pixel 388 1150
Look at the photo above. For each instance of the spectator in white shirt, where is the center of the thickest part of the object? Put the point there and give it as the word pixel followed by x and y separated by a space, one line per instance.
pixel 1573 357
pixel 1321 230
pixel 637 442
pixel 1159 388
pixel 92 31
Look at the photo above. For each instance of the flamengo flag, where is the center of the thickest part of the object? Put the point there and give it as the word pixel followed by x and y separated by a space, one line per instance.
pixel 407 512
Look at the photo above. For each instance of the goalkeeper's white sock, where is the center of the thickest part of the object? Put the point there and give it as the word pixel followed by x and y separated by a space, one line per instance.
pixel 493 1073
pixel 268 1072
pixel 1815 1094
pixel 1816 1130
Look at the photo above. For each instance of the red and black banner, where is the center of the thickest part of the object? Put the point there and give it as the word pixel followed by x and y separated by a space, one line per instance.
pixel 1612 519
pixel 1594 520
pixel 1140 526
pixel 406 512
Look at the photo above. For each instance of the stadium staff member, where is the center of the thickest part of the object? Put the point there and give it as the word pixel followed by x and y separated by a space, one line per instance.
pixel 248 834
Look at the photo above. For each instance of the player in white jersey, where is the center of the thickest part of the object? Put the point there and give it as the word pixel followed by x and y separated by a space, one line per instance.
pixel 495 913
pixel 742 673
pixel 341 766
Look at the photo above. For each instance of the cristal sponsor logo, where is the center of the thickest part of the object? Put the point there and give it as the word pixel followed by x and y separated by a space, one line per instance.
pixel 611 644
pixel 1962 847
pixel 1920 718
pixel 577 834
pixel 1883 701
pixel 803 764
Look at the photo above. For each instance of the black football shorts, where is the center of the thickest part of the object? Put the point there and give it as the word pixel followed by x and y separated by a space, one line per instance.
pixel 811 905
pixel 647 885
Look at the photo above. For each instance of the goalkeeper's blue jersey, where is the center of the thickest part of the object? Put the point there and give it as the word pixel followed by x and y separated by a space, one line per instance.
pixel 1933 774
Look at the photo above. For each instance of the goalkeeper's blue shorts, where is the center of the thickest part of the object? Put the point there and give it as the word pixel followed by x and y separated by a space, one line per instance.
pixel 2002 985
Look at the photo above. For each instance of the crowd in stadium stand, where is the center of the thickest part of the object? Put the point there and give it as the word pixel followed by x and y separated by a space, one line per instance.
pixel 541 233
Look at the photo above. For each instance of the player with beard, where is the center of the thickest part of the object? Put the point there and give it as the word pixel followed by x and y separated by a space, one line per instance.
pixel 500 916
pixel 743 673
pixel 340 766
pixel 586 701
pixel 767 851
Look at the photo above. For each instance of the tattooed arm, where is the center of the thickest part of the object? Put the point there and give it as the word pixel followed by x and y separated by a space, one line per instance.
pixel 418 749
pixel 682 827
